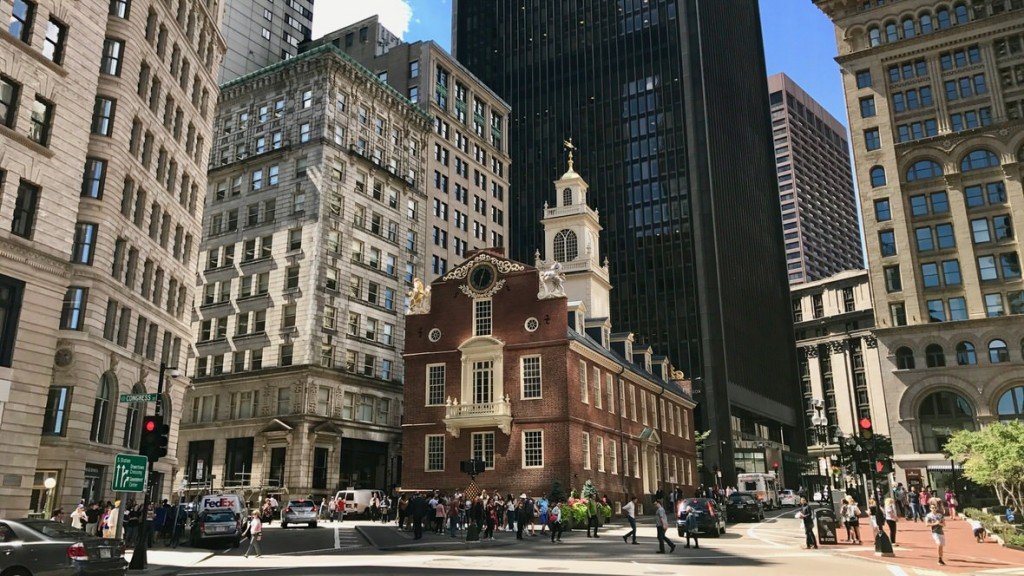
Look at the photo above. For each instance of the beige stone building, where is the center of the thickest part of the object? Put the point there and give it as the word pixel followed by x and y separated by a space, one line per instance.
pixel 935 95
pixel 840 368
pixel 467 163
pixel 105 110
pixel 314 223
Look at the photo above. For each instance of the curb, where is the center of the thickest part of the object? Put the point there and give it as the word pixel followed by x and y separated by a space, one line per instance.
pixel 430 545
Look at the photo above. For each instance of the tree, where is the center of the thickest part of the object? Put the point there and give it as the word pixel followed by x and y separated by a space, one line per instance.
pixel 589 490
pixel 993 456
pixel 557 493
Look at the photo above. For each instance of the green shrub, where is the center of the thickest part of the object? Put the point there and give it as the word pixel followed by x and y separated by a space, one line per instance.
pixel 1015 540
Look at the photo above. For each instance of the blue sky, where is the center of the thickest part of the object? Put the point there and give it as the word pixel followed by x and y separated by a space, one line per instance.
pixel 799 39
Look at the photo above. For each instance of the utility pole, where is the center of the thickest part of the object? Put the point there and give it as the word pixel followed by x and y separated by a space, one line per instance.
pixel 139 556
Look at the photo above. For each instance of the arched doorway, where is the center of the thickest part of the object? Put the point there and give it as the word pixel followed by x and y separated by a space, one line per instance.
pixel 940 415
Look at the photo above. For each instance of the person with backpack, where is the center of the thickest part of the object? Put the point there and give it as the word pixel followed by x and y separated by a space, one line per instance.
pixel 851 519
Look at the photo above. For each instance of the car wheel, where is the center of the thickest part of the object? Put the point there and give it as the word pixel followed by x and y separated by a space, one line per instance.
pixel 312 524
pixel 17 572
pixel 284 524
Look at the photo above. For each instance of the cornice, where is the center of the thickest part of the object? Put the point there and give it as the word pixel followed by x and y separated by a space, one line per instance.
pixel 12 250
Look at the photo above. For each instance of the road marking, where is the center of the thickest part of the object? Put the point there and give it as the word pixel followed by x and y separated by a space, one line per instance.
pixel 897 571
pixel 337 537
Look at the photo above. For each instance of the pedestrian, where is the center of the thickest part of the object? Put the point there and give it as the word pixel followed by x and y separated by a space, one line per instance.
pixel 92 519
pixel 403 505
pixel 877 516
pixel 978 529
pixel 418 509
pixel 891 516
pixel 542 507
pixel 453 516
pixel 691 526
pixel 592 517
pixel 57 516
pixel 936 522
pixel 522 516
pixel 630 510
pixel 490 518
pixel 951 502
pixel 851 519
pixel 385 509
pixel 440 514
pixel 661 520
pixel 805 515
pixel 510 513
pixel 79 518
pixel 531 513
pixel 254 531
pixel 556 522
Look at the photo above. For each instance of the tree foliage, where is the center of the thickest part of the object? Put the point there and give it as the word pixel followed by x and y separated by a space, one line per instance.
pixel 557 493
pixel 993 456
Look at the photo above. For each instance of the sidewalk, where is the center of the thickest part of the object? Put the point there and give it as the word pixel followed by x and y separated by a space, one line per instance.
pixel 915 548
pixel 163 561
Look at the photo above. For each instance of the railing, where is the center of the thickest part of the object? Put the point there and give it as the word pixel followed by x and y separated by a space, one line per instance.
pixel 455 410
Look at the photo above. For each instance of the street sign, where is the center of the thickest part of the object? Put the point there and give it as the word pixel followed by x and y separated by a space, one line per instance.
pixel 129 473
pixel 132 398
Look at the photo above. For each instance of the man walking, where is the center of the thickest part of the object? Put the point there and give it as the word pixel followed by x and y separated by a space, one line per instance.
pixel 255 533
pixel 630 510
pixel 808 519
pixel 418 508
pixel 661 520
pixel 592 518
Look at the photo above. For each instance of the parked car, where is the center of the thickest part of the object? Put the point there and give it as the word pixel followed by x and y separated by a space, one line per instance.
pixel 357 502
pixel 41 547
pixel 216 525
pixel 743 506
pixel 299 512
pixel 789 498
pixel 710 516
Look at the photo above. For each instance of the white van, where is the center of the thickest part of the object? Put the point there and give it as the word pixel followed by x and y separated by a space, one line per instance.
pixel 763 486
pixel 226 500
pixel 358 501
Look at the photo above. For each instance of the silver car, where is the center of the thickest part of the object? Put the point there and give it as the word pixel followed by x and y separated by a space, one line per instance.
pixel 31 547
pixel 299 512
pixel 216 525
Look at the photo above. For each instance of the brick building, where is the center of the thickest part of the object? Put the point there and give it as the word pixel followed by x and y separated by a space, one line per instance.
pixel 518 366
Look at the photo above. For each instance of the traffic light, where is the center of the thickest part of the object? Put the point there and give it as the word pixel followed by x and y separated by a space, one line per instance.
pixel 883 466
pixel 865 428
pixel 153 444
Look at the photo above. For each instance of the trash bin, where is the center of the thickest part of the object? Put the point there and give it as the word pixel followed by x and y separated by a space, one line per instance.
pixel 827 526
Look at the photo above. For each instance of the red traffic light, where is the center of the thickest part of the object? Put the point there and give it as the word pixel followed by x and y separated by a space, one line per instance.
pixel 150 425
pixel 865 423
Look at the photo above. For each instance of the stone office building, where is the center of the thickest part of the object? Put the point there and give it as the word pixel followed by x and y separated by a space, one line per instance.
pixel 517 366
pixel 935 99
pixel 316 188
pixel 467 162
pixel 105 114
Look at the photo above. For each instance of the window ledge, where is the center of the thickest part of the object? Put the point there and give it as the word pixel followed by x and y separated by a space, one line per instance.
pixel 34 54
pixel 26 141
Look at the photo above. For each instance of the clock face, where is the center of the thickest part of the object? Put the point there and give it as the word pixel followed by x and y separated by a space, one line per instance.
pixel 481 277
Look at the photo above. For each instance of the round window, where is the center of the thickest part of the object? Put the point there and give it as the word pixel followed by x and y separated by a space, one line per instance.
pixel 434 335
pixel 532 324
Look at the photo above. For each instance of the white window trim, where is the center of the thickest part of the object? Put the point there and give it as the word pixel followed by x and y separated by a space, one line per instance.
pixel 523 450
pixel 426 452
pixel 598 392
pixel 491 330
pixel 586 450
pixel 494 439
pixel 600 453
pixel 613 446
pixel 426 387
pixel 584 383
pixel 522 377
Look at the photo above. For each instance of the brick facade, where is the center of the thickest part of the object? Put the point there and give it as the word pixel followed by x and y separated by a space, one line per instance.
pixel 665 444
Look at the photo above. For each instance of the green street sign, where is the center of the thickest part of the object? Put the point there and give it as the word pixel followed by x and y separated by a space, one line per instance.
pixel 132 398
pixel 129 473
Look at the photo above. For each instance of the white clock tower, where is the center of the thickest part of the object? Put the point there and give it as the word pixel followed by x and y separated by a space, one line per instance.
pixel 571 233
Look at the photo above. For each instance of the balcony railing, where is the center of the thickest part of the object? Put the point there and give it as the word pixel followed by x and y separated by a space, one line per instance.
pixel 483 415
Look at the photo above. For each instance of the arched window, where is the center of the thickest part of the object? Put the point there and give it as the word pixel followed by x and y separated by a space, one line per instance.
pixel 877 176
pixel 566 247
pixel 909 29
pixel 133 419
pixel 942 18
pixel 941 414
pixel 926 24
pixel 935 356
pixel 874 36
pixel 1011 404
pixel 904 358
pixel 567 197
pixel 101 410
pixel 998 352
pixel 965 354
pixel 978 160
pixel 962 16
pixel 923 170
pixel 892 32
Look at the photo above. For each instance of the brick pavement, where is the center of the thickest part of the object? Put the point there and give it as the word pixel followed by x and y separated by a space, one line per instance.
pixel 915 548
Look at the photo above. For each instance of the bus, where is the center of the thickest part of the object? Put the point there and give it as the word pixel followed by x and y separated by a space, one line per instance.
pixel 764 487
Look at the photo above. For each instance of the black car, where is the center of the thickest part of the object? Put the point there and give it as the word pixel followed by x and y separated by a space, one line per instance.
pixel 30 547
pixel 710 516
pixel 743 506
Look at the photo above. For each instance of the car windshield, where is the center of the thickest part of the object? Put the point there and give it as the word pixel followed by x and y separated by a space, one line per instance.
pixel 301 504
pixel 225 516
pixel 53 529
pixel 741 498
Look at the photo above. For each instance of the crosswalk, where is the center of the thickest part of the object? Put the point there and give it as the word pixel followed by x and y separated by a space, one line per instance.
pixel 345 538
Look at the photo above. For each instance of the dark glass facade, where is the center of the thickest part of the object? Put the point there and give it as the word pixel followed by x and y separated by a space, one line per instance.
pixel 668 105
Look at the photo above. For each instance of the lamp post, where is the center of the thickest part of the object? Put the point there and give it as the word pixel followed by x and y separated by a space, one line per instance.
pixel 819 422
pixel 50 483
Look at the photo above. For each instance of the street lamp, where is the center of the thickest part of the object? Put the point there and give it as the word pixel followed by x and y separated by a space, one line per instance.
pixel 50 483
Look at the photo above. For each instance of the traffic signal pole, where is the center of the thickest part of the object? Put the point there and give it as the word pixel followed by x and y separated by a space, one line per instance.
pixel 139 556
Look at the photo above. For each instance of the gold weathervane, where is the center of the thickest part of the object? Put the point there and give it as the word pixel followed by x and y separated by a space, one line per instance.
pixel 571 148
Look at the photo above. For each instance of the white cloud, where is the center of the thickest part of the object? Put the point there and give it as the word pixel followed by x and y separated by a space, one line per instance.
pixel 329 15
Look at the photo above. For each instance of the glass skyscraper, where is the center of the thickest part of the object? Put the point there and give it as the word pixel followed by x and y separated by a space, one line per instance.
pixel 667 102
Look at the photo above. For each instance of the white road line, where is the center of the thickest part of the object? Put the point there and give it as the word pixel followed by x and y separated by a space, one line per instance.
pixel 337 537
pixel 896 570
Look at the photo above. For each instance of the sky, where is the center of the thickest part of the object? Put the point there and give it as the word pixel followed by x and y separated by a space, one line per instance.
pixel 799 38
